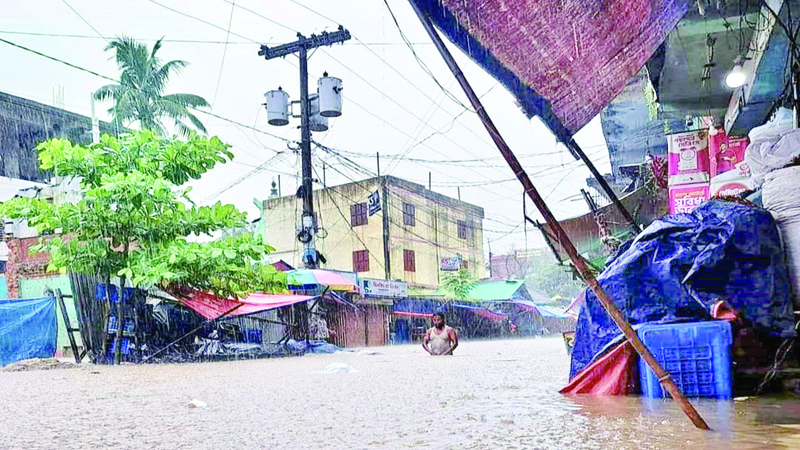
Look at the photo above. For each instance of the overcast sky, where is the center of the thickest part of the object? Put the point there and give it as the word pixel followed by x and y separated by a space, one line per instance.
pixel 391 105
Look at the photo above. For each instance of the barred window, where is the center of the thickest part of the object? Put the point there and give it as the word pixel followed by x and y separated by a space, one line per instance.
pixel 409 261
pixel 409 215
pixel 358 214
pixel 361 261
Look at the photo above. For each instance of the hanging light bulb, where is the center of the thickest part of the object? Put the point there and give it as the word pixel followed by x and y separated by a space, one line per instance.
pixel 737 77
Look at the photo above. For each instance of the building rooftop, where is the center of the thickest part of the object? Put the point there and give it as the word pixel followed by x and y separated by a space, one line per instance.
pixel 391 181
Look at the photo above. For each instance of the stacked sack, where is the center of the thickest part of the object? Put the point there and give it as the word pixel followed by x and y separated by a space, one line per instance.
pixel 773 147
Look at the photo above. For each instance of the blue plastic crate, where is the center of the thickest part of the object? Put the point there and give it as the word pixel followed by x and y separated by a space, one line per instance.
pixel 113 294
pixel 697 355
pixel 125 345
pixel 253 336
pixel 100 293
pixel 113 325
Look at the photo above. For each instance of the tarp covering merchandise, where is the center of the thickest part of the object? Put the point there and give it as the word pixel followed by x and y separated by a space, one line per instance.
pixel 212 307
pixel 680 266
pixel 564 60
pixel 27 329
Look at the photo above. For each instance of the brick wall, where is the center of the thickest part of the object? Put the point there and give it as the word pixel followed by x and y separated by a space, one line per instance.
pixel 21 264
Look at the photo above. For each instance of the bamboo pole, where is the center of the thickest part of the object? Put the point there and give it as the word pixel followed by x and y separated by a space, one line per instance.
pixel 566 243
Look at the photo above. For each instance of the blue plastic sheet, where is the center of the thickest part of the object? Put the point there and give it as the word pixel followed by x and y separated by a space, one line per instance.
pixel 27 329
pixel 679 266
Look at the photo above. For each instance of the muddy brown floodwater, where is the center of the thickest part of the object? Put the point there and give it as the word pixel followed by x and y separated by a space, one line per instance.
pixel 490 395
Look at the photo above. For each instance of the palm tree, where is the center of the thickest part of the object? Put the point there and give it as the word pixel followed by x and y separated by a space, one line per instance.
pixel 139 95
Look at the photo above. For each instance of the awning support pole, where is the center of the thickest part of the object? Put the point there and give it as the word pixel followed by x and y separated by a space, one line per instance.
pixel 147 358
pixel 564 240
pixel 576 149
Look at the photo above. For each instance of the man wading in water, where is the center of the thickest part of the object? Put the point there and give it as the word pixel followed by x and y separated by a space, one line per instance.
pixel 440 339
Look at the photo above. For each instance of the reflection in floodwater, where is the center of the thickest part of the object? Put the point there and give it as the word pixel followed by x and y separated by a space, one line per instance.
pixel 490 395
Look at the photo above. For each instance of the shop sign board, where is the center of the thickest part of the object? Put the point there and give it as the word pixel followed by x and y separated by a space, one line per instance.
pixel 384 288
pixel 374 202
pixel 451 264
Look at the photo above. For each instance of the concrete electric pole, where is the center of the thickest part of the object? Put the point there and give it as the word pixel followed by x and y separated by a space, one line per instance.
pixel 301 46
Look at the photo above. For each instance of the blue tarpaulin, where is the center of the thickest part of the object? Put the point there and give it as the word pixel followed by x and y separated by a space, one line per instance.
pixel 27 329
pixel 679 266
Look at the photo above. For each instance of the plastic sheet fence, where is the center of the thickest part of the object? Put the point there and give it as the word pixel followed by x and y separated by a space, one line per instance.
pixel 27 329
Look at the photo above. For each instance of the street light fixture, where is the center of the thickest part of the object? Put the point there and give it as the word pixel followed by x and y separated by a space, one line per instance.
pixel 737 76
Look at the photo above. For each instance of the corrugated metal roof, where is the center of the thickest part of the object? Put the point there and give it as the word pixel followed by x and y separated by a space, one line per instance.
pixel 495 291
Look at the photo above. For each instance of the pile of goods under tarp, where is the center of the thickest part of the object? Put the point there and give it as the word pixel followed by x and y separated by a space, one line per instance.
pixel 722 256
pixel 773 157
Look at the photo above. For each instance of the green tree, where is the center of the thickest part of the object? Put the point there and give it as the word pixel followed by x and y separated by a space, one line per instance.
pixel 457 285
pixel 135 217
pixel 556 279
pixel 139 97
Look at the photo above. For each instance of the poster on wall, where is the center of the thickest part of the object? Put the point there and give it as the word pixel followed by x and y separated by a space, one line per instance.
pixel 683 199
pixel 688 158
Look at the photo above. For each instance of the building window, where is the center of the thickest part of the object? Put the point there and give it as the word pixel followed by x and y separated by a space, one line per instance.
pixel 464 230
pixel 358 214
pixel 409 215
pixel 465 264
pixel 361 261
pixel 409 261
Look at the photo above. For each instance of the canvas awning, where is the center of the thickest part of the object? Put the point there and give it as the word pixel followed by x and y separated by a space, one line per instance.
pixel 212 307
pixel 308 279
pixel 544 311
pixel 564 60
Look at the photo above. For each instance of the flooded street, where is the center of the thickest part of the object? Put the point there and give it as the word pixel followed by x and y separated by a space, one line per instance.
pixel 491 395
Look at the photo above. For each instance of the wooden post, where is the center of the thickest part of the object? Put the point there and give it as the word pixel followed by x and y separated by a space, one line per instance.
pixel 575 148
pixel 566 243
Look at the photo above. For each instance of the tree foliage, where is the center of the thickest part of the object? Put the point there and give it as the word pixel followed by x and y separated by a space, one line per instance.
pixel 457 285
pixel 135 216
pixel 139 97
pixel 555 279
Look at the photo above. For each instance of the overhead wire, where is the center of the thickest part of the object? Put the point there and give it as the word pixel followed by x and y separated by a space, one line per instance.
pixel 399 105
pixel 190 41
pixel 401 210
pixel 201 20
pixel 84 20
pixel 224 53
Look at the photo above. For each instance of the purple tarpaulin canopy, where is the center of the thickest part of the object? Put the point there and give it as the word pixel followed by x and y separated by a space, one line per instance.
pixel 564 60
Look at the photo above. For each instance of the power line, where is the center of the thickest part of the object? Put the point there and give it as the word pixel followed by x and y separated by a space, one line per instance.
pixel 419 60
pixel 193 41
pixel 366 247
pixel 397 103
pixel 224 53
pixel 259 168
pixel 83 69
pixel 201 20
pixel 401 210
pixel 84 20
pixel 274 22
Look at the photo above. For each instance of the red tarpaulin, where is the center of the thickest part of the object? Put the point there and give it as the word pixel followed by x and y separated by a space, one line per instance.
pixel 412 314
pixel 613 374
pixel 212 307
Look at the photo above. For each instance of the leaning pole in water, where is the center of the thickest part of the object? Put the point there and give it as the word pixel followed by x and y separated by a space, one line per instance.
pixel 579 263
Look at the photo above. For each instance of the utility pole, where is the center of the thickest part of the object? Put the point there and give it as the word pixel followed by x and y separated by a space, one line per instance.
pixel 301 46
pixel 490 259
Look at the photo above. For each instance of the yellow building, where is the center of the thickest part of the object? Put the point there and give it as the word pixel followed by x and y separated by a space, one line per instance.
pixel 426 231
